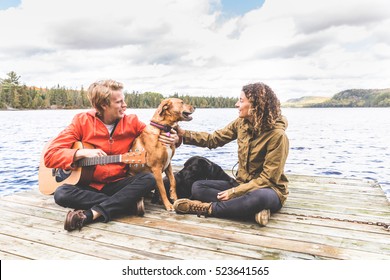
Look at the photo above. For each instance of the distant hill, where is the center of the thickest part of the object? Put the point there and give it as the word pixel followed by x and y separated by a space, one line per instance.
pixel 346 98
pixel 306 101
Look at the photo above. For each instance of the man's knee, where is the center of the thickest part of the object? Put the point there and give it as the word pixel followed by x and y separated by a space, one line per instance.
pixel 149 180
pixel 61 195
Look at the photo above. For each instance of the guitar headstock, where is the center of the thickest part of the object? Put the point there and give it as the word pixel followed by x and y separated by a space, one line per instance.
pixel 135 157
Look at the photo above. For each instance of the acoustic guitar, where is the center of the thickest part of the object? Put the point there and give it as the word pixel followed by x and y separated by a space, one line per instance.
pixel 49 179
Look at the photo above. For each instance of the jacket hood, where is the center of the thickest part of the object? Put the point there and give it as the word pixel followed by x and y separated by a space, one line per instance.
pixel 281 123
pixel 93 114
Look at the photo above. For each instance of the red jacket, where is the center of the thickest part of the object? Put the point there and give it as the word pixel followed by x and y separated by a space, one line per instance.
pixel 86 127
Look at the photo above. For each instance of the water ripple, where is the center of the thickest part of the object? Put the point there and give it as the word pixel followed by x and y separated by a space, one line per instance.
pixel 325 142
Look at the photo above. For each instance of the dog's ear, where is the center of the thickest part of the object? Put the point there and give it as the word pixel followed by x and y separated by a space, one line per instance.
pixel 191 161
pixel 164 106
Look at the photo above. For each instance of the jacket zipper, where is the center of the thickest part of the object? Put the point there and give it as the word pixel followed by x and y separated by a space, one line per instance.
pixel 110 140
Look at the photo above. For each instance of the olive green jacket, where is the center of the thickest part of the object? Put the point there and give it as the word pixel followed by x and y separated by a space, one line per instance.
pixel 261 158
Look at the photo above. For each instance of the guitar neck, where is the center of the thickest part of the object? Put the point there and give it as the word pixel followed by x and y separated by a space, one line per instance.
pixel 99 160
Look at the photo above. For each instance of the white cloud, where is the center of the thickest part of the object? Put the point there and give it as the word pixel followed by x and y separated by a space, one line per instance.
pixel 300 47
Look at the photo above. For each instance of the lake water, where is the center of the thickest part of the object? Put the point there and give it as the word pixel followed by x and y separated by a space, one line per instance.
pixel 336 142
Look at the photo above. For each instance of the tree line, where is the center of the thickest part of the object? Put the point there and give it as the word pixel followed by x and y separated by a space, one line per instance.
pixel 15 95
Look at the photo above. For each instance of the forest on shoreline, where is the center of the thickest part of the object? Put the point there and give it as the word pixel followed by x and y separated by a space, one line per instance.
pixel 17 96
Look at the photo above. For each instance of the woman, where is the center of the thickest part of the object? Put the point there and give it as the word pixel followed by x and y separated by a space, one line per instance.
pixel 260 186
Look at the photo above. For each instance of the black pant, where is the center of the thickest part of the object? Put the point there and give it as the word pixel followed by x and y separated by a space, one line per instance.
pixel 245 206
pixel 115 198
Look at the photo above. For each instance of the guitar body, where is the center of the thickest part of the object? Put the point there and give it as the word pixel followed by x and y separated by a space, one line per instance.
pixel 51 178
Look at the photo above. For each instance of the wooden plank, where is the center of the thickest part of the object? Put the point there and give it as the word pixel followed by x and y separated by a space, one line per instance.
pixel 331 223
pixel 252 227
pixel 362 188
pixel 326 198
pixel 267 242
pixel 190 242
pixel 193 242
pixel 36 250
pixel 320 214
pixel 291 233
pixel 330 180
pixel 290 223
pixel 158 212
pixel 338 189
pixel 320 233
pixel 344 209
pixel 266 255
pixel 136 238
pixel 326 228
pixel 8 256
pixel 61 240
pixel 48 231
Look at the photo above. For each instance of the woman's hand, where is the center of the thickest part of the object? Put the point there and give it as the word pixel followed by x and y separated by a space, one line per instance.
pixel 169 138
pixel 224 195
pixel 180 131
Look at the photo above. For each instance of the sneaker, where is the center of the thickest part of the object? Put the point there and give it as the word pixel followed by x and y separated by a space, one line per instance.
pixel 187 206
pixel 74 219
pixel 263 217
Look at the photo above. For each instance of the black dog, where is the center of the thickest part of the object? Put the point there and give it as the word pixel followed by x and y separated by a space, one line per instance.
pixel 195 168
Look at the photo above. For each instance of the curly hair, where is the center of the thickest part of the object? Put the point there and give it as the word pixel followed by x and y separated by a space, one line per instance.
pixel 99 93
pixel 265 105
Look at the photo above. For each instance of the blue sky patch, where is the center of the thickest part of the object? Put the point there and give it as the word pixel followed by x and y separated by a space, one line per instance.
pixel 236 8
pixel 5 4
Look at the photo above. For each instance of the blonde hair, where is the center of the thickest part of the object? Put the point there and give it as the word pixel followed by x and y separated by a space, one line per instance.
pixel 99 93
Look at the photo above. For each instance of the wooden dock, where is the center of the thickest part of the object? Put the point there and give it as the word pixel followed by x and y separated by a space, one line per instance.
pixel 324 218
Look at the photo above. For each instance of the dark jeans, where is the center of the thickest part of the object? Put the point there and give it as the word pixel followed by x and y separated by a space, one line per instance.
pixel 115 198
pixel 245 206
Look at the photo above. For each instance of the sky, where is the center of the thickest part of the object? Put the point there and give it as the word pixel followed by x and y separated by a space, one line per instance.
pixel 199 47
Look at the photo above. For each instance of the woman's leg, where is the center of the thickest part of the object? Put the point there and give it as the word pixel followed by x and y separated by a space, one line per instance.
pixel 245 206
pixel 207 190
pixel 248 205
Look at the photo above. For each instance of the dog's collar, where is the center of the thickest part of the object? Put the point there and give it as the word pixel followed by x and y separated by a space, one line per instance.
pixel 165 128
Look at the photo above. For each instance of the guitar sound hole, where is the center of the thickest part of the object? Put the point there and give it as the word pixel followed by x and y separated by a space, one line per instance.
pixel 61 174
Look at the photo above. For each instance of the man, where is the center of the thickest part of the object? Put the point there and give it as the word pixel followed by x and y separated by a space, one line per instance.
pixel 111 132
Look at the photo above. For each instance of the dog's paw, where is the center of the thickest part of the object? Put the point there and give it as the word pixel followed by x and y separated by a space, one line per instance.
pixel 169 207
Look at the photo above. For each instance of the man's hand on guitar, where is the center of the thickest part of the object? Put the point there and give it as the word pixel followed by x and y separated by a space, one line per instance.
pixel 87 153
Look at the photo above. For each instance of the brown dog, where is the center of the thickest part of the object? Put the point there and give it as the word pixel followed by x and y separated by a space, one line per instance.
pixel 158 155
